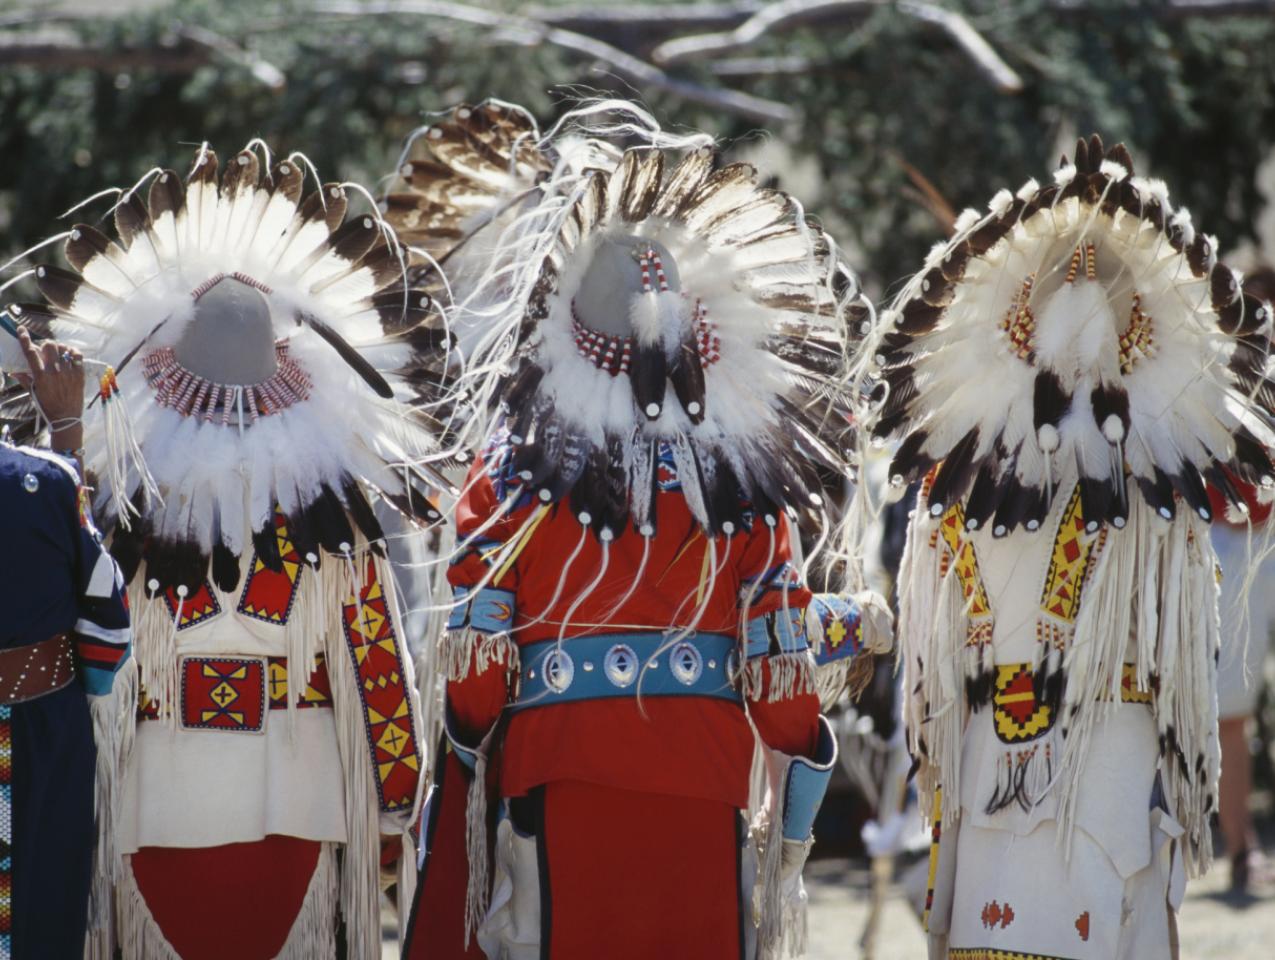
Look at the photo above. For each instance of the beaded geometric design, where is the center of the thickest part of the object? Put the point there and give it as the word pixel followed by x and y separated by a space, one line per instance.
pixel 961 555
pixel 268 594
pixel 196 608
pixel 1070 562
pixel 706 338
pixel 842 631
pixel 1137 342
pixel 1018 715
pixel 995 914
pixel 936 837
pixel 190 394
pixel 991 953
pixel 6 833
pixel 1083 255
pixel 1130 692
pixel 317 692
pixel 382 685
pixel 610 354
pixel 223 693
pixel 1019 323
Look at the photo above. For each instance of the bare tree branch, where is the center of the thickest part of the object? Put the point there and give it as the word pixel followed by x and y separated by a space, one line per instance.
pixel 1000 73
pixel 264 72
pixel 622 64
pixel 790 14
pixel 646 22
pixel 63 50
pixel 185 50
pixel 760 66
pixel 1176 9
pixel 650 18
pixel 771 18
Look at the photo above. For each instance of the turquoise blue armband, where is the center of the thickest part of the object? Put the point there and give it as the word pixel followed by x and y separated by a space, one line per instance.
pixel 488 610
pixel 805 783
pixel 782 631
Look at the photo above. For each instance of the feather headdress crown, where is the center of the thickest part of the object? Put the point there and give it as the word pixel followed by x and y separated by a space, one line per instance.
pixel 692 279
pixel 274 335
pixel 1088 323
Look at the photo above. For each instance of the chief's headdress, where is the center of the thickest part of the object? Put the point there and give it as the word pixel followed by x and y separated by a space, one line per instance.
pixel 670 303
pixel 1085 321
pixel 262 342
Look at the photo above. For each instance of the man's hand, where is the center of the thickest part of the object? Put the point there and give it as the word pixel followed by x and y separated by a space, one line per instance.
pixel 57 381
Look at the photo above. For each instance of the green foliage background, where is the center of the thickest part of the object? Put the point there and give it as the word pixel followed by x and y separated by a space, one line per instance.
pixel 1193 97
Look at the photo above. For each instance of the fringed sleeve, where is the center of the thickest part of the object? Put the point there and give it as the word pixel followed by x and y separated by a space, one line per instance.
pixel 840 628
pixel 484 577
pixel 102 650
pixel 1155 589
pixel 778 679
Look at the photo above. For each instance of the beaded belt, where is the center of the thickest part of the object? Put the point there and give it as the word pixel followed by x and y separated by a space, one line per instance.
pixel 36 669
pixel 233 693
pixel 1019 715
pixel 627 665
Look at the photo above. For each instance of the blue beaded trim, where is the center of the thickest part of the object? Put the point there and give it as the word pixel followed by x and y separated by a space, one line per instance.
pixel 783 631
pixel 842 626
pixel 488 610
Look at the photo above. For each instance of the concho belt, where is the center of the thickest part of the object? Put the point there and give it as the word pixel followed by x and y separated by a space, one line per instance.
pixel 606 666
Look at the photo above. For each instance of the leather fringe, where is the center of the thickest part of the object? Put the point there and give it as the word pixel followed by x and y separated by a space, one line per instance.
pixel 114 718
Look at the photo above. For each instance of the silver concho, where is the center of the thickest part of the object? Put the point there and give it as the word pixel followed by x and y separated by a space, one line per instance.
pixel 558 670
pixel 30 483
pixel 687 663
pixel 621 665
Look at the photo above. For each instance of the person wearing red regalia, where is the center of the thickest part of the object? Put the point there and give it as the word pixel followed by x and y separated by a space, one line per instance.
pixel 630 619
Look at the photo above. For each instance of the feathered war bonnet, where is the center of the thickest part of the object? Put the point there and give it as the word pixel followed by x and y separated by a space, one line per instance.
pixel 460 172
pixel 685 308
pixel 261 343
pixel 1083 322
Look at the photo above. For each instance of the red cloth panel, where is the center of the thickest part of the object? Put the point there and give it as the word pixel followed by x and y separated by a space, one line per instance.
pixel 636 876
pixel 437 927
pixel 238 900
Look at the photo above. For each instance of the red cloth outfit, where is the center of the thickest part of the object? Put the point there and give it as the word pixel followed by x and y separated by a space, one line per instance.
pixel 635 804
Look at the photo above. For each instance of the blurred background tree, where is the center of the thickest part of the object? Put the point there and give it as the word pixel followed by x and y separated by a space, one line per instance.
pixel 890 114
